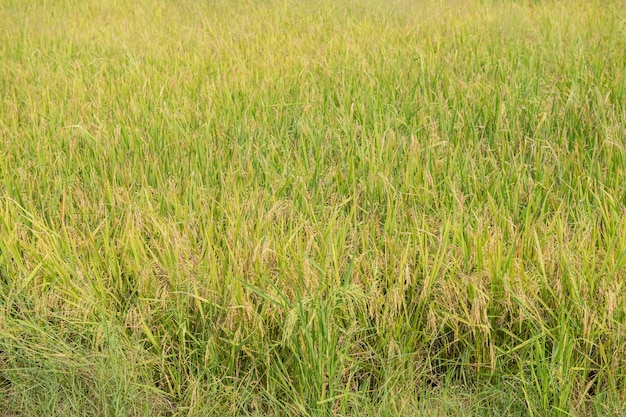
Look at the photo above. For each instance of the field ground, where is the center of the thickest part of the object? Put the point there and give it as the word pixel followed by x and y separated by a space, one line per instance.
pixel 312 208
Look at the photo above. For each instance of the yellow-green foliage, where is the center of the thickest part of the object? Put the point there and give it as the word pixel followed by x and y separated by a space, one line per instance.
pixel 312 207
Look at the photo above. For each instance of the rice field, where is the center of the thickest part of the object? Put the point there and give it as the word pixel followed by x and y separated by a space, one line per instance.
pixel 312 208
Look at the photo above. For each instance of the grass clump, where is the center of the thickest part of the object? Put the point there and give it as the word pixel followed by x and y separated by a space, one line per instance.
pixel 318 208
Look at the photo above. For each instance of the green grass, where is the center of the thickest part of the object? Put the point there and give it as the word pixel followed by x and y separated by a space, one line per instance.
pixel 318 208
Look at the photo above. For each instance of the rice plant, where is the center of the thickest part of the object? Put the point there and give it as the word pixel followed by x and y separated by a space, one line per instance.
pixel 317 208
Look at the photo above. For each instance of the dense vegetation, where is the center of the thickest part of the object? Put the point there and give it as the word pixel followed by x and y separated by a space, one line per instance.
pixel 312 208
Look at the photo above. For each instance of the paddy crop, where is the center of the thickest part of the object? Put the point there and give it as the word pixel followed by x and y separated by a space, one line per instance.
pixel 312 208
